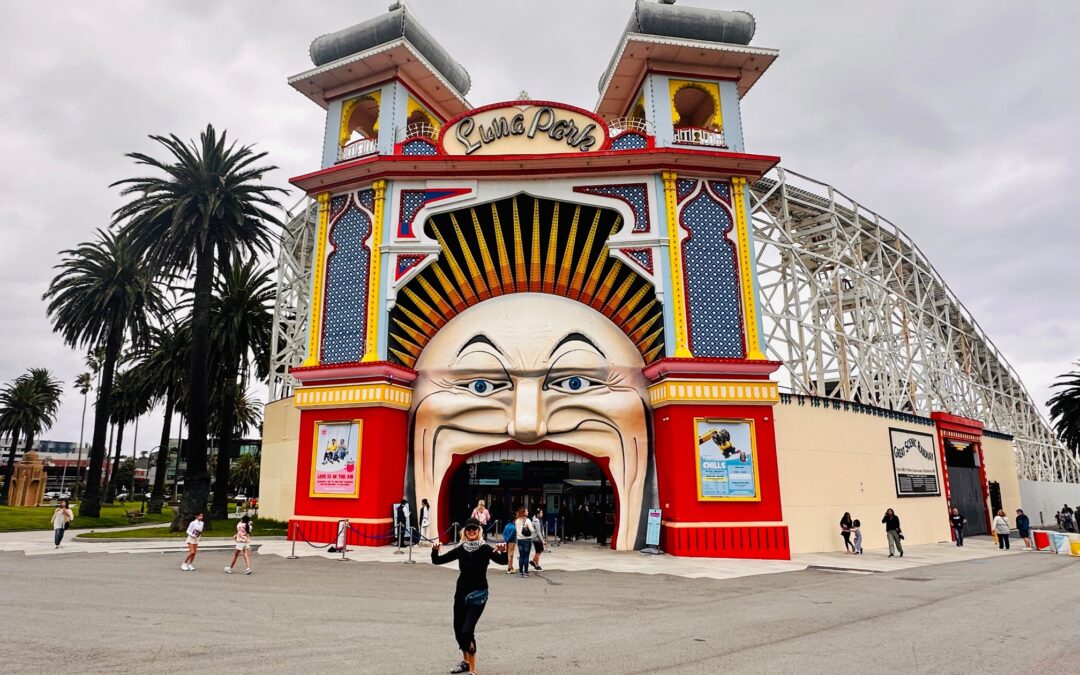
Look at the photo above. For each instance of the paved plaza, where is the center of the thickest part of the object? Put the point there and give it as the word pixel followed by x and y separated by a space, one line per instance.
pixel 117 610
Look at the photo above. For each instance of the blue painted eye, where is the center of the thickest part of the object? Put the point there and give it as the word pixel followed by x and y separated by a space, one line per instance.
pixel 574 384
pixel 483 387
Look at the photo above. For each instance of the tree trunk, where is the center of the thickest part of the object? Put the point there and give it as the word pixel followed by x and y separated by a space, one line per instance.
pixel 220 507
pixel 157 496
pixel 90 506
pixel 9 470
pixel 110 491
pixel 197 480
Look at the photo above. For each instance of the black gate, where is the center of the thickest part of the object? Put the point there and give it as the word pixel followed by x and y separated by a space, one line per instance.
pixel 967 496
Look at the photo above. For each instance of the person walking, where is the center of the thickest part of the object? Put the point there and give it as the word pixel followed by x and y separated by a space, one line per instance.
pixel 62 515
pixel 1067 518
pixel 1023 528
pixel 471 592
pixel 524 535
pixel 893 533
pixel 425 520
pixel 845 532
pixel 194 531
pixel 856 531
pixel 483 516
pixel 540 543
pixel 243 545
pixel 1001 528
pixel 510 539
pixel 957 522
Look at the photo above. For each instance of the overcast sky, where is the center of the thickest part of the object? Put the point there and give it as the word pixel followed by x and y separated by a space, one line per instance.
pixel 955 120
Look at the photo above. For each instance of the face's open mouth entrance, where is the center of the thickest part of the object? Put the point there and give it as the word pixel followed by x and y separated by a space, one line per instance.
pixel 578 499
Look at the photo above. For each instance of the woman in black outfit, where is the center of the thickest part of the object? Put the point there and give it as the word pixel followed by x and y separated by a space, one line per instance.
pixel 470 598
pixel 845 532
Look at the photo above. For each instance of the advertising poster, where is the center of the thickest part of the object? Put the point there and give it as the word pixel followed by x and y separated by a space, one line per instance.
pixel 335 467
pixel 915 463
pixel 726 460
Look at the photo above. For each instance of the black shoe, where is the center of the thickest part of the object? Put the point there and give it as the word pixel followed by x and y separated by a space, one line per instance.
pixel 462 667
pixel 901 554
pixel 538 568
pixel 891 555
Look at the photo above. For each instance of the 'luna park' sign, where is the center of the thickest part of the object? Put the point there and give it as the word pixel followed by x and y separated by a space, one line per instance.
pixel 524 128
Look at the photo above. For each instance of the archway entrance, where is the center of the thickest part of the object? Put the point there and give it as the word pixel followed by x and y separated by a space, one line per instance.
pixel 579 501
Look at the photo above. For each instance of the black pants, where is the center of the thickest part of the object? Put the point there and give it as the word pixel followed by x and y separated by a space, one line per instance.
pixel 959 531
pixel 1003 541
pixel 847 541
pixel 465 618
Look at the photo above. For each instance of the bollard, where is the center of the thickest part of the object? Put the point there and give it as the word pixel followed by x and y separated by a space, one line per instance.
pixel 296 533
pixel 397 535
pixel 410 561
pixel 343 538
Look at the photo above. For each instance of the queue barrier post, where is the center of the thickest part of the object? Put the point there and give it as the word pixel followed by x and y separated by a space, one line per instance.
pixel 342 538
pixel 397 536
pixel 410 561
pixel 296 533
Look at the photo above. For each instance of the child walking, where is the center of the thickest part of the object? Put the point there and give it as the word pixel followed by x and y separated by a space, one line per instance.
pixel 243 545
pixel 856 530
pixel 194 531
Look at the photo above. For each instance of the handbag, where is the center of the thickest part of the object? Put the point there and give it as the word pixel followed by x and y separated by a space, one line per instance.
pixel 901 535
pixel 477 598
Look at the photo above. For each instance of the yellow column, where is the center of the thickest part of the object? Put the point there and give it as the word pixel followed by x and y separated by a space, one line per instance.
pixel 678 296
pixel 746 271
pixel 371 352
pixel 318 281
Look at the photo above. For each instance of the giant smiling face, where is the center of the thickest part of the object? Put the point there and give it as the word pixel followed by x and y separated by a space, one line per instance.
pixel 533 371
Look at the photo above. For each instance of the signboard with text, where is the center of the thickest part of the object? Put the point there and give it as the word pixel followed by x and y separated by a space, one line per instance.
pixel 726 460
pixel 524 128
pixel 652 532
pixel 335 460
pixel 915 463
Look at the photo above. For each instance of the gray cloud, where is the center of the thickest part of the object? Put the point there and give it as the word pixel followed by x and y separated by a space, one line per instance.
pixel 954 120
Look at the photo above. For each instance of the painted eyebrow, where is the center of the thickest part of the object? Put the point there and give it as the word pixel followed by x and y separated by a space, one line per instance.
pixel 480 338
pixel 576 337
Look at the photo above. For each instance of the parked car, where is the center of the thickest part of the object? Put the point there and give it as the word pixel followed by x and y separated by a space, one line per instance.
pixel 57 494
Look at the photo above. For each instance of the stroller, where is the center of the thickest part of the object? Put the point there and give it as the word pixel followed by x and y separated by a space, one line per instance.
pixel 1066 521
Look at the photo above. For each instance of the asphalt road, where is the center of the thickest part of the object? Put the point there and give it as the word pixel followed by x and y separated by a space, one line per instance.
pixel 139 613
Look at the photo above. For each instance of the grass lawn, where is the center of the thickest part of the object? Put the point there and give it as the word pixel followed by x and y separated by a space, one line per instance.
pixel 24 518
pixel 262 528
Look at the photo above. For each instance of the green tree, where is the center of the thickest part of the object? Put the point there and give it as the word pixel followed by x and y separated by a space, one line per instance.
pixel 162 366
pixel 83 385
pixel 243 317
pixel 28 407
pixel 103 295
pixel 1065 410
pixel 208 202
pixel 244 473
pixel 129 402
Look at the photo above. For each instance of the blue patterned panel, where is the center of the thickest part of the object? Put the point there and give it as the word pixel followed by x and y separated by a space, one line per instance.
pixel 366 198
pixel 411 201
pixel 416 148
pixel 721 189
pixel 711 279
pixel 347 269
pixel 635 194
pixel 684 187
pixel 629 141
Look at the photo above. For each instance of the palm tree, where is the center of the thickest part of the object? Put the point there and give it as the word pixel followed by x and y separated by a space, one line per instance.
pixel 1065 410
pixel 162 367
pixel 244 473
pixel 242 307
pixel 103 295
pixel 129 402
pixel 83 385
pixel 210 199
pixel 27 406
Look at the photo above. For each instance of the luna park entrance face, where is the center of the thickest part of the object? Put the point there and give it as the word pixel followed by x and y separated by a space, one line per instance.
pixel 577 498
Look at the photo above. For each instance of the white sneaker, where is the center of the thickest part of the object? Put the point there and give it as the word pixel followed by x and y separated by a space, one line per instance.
pixel 184 567
pixel 247 571
pixel 190 568
pixel 228 570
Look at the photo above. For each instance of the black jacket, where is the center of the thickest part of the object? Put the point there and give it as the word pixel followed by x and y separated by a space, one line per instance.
pixel 892 523
pixel 473 565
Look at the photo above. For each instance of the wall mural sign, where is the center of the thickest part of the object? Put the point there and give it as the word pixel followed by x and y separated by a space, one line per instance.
pixel 915 463
pixel 524 128
pixel 726 460
pixel 335 464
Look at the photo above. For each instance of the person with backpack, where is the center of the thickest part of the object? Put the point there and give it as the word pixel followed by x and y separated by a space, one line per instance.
pixel 471 592
pixel 525 533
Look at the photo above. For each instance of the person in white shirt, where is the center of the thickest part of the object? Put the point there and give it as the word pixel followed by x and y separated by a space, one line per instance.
pixel 194 531
pixel 60 519
pixel 540 540
pixel 243 545
pixel 1001 528
pixel 425 520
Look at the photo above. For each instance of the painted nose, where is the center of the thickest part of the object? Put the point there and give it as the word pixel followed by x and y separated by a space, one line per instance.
pixel 527 424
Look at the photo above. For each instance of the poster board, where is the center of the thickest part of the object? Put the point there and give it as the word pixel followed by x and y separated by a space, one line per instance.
pixel 335 459
pixel 915 463
pixel 726 460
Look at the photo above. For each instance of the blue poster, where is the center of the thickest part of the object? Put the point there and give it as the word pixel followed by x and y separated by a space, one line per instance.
pixel 727 463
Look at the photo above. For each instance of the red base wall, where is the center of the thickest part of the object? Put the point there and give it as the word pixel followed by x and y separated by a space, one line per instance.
pixel 752 541
pixel 322 532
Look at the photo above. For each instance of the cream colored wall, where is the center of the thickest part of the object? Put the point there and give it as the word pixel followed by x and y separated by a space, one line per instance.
pixel 1001 467
pixel 832 461
pixel 277 475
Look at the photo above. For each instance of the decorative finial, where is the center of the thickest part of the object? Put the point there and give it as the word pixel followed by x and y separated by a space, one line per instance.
pixel 523 95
